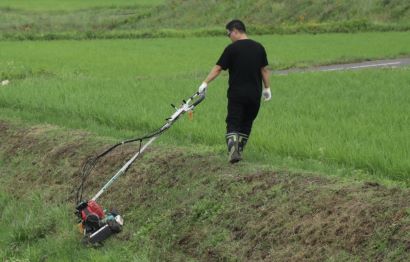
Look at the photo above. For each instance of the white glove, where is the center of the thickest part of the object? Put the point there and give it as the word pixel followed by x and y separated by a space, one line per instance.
pixel 266 94
pixel 202 87
pixel 5 82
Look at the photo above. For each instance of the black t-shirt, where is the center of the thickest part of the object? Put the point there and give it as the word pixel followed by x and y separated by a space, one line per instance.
pixel 244 59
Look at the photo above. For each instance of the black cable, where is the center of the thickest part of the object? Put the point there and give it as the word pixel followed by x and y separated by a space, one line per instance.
pixel 92 162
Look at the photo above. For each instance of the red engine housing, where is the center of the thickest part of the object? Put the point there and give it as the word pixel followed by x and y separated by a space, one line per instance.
pixel 92 209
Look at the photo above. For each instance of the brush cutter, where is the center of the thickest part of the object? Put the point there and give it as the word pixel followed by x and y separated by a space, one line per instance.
pixel 97 224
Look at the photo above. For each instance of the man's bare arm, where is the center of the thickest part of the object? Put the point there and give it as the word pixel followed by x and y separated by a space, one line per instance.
pixel 216 70
pixel 266 82
pixel 265 76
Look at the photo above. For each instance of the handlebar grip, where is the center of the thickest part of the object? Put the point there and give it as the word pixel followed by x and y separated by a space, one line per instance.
pixel 199 100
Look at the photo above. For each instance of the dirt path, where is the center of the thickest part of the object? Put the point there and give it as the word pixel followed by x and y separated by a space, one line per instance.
pixel 392 63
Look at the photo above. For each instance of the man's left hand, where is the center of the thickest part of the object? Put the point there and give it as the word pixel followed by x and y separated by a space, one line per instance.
pixel 267 95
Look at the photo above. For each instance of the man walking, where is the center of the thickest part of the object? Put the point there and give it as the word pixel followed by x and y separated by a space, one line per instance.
pixel 247 64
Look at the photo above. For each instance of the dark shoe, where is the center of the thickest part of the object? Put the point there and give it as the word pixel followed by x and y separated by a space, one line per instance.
pixel 243 139
pixel 232 141
pixel 234 156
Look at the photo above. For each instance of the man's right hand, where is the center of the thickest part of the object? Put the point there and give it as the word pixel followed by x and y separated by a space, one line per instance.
pixel 202 88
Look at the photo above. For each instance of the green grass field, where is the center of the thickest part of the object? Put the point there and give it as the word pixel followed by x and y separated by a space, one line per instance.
pixel 170 56
pixel 123 88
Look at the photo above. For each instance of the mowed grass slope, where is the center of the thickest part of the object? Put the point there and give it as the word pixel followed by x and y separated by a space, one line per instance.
pixel 196 13
pixel 355 120
pixel 67 5
pixel 185 204
pixel 50 20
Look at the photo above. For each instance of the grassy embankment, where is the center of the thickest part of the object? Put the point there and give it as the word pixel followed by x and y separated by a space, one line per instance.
pixel 142 19
pixel 73 5
pixel 185 204
pixel 355 120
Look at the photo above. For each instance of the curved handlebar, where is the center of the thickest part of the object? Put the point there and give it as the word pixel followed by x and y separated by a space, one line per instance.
pixel 201 97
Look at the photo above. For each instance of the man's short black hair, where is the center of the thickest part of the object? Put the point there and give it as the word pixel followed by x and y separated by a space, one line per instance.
pixel 236 24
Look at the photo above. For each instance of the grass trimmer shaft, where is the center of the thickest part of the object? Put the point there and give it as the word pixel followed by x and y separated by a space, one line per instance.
pixel 97 224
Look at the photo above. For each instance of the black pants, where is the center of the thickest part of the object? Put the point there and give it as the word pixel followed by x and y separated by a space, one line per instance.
pixel 241 113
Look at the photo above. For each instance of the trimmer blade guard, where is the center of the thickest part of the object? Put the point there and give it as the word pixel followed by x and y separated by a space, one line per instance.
pixel 112 226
